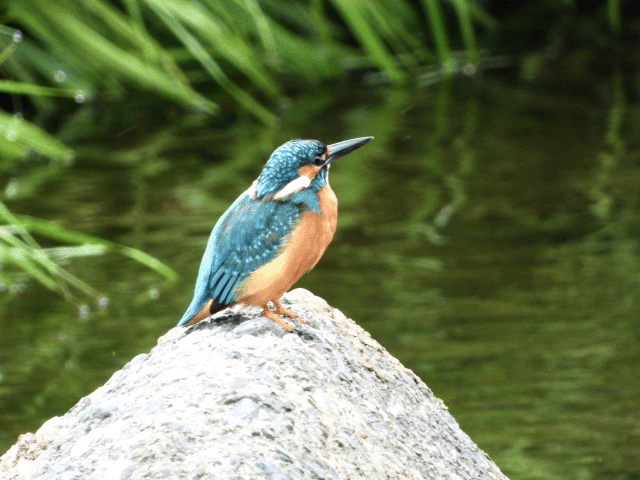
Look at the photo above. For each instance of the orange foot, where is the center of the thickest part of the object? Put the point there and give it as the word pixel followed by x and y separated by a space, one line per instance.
pixel 269 314
pixel 280 310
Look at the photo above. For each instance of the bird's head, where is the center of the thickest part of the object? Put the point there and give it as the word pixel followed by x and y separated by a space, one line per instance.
pixel 298 165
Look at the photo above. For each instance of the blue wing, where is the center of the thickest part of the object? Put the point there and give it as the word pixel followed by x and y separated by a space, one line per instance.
pixel 247 236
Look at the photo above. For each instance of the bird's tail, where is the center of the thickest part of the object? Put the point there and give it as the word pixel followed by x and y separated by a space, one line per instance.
pixel 200 308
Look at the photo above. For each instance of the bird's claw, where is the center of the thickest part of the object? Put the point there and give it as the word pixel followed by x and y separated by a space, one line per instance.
pixel 280 310
pixel 269 314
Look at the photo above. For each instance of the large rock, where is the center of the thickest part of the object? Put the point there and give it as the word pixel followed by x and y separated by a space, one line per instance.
pixel 238 398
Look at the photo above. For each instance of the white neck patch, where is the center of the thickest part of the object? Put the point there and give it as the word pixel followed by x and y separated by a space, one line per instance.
pixel 292 187
pixel 251 191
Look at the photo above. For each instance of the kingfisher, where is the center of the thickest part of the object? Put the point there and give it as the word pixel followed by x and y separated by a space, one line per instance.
pixel 274 232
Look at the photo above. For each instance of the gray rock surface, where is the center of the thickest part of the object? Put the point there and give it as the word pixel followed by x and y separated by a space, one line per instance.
pixel 237 398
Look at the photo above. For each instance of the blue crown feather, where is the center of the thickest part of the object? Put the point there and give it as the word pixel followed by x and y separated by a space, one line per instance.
pixel 282 167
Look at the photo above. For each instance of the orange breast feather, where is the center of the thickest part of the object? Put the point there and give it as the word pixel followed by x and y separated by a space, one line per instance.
pixel 302 250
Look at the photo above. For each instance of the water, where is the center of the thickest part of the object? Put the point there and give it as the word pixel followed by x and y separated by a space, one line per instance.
pixel 487 238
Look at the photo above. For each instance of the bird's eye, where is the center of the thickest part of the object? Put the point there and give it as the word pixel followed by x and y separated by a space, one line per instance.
pixel 318 160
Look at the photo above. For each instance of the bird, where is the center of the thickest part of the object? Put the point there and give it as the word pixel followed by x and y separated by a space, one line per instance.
pixel 275 231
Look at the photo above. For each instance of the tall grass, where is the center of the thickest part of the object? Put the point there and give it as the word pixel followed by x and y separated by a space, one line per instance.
pixel 243 46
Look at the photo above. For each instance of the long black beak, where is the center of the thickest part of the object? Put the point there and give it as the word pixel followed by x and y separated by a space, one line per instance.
pixel 340 149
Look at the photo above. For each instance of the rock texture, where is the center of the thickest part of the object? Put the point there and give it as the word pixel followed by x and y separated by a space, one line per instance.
pixel 236 397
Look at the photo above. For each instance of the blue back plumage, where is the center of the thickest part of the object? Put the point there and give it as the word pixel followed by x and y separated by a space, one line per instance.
pixel 253 230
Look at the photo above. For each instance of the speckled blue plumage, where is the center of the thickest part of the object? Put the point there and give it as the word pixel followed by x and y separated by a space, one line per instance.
pixel 282 166
pixel 253 230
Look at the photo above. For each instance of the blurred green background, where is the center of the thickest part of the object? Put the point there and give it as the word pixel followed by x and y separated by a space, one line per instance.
pixel 488 237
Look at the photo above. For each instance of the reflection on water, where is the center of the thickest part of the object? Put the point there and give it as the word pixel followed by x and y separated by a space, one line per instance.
pixel 489 240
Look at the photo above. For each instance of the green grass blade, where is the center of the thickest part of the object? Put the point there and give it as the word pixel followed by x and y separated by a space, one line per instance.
pixel 392 19
pixel 20 258
pixel 132 30
pixel 353 15
pixel 466 28
pixel 481 17
pixel 439 33
pixel 11 220
pixel 227 40
pixel 263 29
pixel 61 234
pixel 201 54
pixel 9 86
pixel 19 135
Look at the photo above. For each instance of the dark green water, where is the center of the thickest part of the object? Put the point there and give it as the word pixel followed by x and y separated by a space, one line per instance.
pixel 488 238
